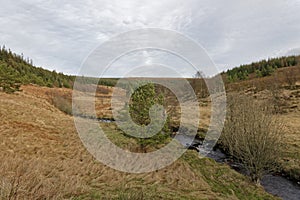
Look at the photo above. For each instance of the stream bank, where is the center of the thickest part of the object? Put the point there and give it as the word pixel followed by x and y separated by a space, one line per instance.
pixel 275 184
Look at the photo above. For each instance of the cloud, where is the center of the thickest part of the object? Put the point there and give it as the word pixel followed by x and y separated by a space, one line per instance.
pixel 60 34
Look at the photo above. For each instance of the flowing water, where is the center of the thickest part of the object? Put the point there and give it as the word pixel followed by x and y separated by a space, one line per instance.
pixel 277 185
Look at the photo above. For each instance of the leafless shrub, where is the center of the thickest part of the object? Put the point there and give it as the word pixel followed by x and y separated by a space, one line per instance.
pixel 61 100
pixel 62 104
pixel 291 77
pixel 252 135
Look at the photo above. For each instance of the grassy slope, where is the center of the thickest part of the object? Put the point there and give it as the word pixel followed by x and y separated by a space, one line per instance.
pixel 289 104
pixel 41 151
pixel 37 136
pixel 257 86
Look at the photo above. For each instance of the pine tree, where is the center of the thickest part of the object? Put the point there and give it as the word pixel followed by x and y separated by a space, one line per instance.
pixel 140 103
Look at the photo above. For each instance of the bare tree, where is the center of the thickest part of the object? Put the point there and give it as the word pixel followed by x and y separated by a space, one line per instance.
pixel 199 84
pixel 252 135
pixel 199 74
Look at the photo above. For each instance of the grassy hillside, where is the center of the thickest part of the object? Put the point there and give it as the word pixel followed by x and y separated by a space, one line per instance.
pixel 42 157
pixel 260 69
pixel 15 70
pixel 281 89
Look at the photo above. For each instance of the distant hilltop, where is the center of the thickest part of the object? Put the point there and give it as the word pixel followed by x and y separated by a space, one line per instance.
pixel 15 70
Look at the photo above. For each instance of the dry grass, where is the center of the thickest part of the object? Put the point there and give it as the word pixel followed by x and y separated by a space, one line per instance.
pixel 42 157
pixel 34 178
pixel 281 77
pixel 290 117
pixel 62 99
pixel 286 99
pixel 291 160
pixel 289 114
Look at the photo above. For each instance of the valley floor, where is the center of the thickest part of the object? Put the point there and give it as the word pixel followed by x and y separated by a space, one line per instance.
pixel 42 157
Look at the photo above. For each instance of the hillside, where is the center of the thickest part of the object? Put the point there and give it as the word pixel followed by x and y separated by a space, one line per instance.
pixel 15 70
pixel 42 158
pixel 260 69
pixel 280 87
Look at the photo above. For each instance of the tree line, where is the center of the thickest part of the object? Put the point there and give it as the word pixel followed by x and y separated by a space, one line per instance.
pixel 260 69
pixel 16 70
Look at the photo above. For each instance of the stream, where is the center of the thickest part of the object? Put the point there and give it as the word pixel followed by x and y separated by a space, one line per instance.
pixel 274 184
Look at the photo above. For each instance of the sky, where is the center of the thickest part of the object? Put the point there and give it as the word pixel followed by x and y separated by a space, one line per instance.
pixel 59 34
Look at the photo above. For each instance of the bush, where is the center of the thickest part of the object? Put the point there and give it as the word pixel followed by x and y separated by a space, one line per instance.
pixel 62 104
pixel 252 135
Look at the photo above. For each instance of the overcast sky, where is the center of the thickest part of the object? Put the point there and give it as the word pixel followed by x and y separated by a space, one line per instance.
pixel 60 34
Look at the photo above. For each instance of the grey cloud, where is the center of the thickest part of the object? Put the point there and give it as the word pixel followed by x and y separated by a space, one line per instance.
pixel 60 34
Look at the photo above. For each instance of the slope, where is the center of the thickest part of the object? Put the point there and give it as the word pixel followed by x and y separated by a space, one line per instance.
pixel 43 158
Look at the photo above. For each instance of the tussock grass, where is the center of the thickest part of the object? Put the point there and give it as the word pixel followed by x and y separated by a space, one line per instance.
pixel 42 157
pixel 33 179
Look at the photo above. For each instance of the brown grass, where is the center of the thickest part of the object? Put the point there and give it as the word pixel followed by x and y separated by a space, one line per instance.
pixel 42 157
pixel 274 89
pixel 62 99
pixel 287 104
pixel 281 77
pixel 36 179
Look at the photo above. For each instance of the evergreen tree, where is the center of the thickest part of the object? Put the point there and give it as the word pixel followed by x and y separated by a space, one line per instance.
pixel 141 101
